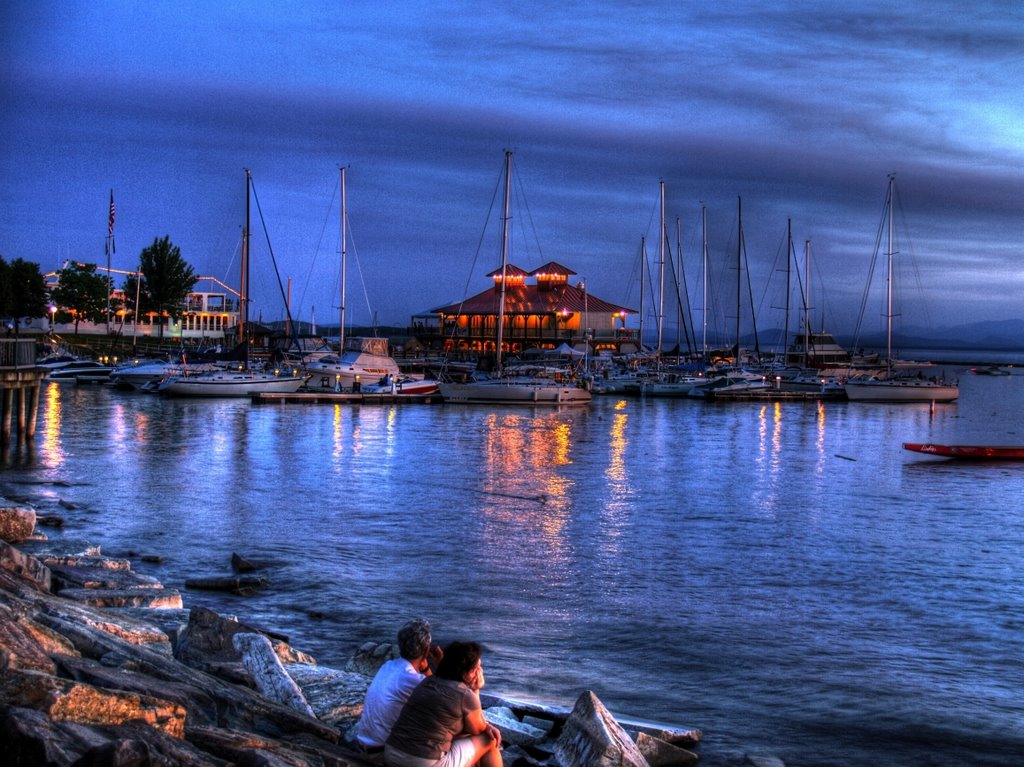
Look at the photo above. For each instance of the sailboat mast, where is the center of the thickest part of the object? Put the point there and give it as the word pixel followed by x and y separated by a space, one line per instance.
pixel 790 257
pixel 704 258
pixel 807 300
pixel 889 278
pixel 643 272
pixel 739 271
pixel 243 315
pixel 344 259
pixel 506 214
pixel 661 265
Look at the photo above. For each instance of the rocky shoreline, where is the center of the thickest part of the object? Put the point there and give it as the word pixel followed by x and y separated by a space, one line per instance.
pixel 101 665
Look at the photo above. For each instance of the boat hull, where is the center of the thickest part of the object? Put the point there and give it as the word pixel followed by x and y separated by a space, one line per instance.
pixel 513 393
pixel 900 391
pixel 228 384
pixel 974 452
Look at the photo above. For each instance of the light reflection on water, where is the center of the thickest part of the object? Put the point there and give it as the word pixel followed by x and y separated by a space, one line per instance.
pixel 782 575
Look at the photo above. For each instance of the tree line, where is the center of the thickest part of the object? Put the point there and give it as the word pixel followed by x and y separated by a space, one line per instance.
pixel 164 279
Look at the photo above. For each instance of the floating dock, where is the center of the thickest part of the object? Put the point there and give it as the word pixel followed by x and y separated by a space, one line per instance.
pixel 341 398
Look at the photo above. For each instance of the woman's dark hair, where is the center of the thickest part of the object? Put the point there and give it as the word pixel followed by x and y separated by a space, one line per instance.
pixel 459 659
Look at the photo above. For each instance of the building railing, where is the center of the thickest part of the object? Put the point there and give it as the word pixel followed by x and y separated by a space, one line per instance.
pixel 17 353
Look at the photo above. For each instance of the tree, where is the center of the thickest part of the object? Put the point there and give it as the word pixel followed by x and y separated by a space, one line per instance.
pixel 166 280
pixel 24 291
pixel 82 293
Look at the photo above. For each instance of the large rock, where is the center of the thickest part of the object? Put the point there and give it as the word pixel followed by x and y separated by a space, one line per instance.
pixel 368 659
pixel 65 700
pixel 336 697
pixel 207 642
pixel 592 738
pixel 658 753
pixel 148 597
pixel 25 567
pixel 513 731
pixel 17 523
pixel 267 672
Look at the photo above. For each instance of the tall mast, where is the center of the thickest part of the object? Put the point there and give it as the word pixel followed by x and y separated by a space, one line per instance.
pixel 661 264
pixel 704 258
pixel 504 258
pixel 243 315
pixel 643 272
pixel 739 271
pixel 790 256
pixel 807 300
pixel 889 277
pixel 344 258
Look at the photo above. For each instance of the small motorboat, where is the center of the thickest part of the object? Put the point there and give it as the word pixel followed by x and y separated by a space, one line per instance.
pixel 973 452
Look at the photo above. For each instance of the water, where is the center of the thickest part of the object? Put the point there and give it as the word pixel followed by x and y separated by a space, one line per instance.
pixel 783 576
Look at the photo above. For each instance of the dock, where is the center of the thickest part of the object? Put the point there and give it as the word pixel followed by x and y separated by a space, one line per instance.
pixel 775 395
pixel 341 398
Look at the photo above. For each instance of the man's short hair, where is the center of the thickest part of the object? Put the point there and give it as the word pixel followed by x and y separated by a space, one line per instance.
pixel 414 639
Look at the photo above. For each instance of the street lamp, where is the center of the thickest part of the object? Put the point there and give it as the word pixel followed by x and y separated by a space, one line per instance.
pixel 53 312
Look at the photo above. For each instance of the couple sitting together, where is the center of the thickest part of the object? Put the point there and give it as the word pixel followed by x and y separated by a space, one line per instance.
pixel 423 709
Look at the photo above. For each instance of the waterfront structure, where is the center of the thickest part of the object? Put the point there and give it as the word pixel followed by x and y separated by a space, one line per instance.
pixel 19 389
pixel 544 313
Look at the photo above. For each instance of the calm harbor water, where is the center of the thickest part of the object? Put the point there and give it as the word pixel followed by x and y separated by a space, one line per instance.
pixel 783 576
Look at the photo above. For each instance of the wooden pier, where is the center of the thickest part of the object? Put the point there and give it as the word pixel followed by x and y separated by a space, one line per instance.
pixel 19 384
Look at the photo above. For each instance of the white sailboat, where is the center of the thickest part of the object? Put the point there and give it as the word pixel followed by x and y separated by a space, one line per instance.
pixel 361 361
pixel 897 389
pixel 502 388
pixel 242 381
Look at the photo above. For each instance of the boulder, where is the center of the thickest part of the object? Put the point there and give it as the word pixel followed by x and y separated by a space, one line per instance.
pixel 155 598
pixel 266 670
pixel 513 731
pixel 17 523
pixel 25 567
pixel 658 753
pixel 65 700
pixel 82 577
pixel 335 696
pixel 592 738
pixel 370 656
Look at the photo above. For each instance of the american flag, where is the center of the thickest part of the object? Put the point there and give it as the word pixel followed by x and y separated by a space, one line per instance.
pixel 110 225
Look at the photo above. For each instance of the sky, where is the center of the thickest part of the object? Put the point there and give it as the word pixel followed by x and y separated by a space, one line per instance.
pixel 793 112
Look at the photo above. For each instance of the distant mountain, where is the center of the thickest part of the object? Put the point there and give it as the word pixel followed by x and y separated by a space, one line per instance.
pixel 1002 335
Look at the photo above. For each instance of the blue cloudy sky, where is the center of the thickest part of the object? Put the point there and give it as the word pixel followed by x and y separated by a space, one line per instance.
pixel 801 109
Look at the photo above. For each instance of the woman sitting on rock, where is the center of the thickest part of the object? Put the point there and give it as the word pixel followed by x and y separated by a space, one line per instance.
pixel 442 723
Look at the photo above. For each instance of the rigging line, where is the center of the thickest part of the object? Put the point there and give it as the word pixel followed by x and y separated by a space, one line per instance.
pixel 476 255
pixel 362 280
pixel 871 272
pixel 273 260
pixel 524 206
pixel 320 241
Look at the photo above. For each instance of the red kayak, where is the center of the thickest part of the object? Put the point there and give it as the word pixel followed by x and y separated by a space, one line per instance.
pixel 984 452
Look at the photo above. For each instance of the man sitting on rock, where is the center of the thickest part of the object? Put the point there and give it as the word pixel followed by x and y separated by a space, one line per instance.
pixel 394 682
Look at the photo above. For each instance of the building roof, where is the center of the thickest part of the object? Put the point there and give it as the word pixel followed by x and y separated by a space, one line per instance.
pixel 511 270
pixel 552 267
pixel 530 299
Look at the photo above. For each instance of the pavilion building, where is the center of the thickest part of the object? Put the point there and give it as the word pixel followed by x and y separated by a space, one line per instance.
pixel 541 314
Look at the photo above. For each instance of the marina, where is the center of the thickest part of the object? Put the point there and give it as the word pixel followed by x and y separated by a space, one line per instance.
pixel 810 589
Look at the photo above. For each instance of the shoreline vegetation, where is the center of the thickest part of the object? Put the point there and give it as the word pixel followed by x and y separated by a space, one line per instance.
pixel 101 665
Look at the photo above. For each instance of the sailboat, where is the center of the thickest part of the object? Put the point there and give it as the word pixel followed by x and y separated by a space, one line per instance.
pixel 241 381
pixel 361 361
pixel 898 389
pixel 502 387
